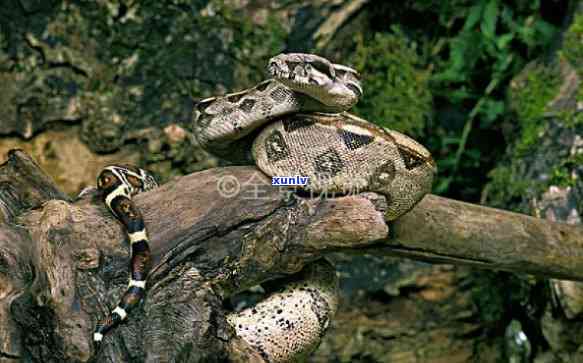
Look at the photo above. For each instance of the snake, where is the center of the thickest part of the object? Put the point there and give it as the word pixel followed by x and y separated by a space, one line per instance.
pixel 294 123
pixel 117 185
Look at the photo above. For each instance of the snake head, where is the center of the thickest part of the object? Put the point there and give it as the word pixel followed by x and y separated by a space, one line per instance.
pixel 299 65
pixel 334 85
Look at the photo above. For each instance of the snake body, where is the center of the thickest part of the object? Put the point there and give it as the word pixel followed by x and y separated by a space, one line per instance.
pixel 296 124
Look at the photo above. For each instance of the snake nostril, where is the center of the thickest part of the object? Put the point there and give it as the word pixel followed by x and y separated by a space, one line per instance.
pixel 354 88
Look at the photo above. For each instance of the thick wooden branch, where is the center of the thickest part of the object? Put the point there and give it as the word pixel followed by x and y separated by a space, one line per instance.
pixel 445 230
pixel 219 231
pixel 438 229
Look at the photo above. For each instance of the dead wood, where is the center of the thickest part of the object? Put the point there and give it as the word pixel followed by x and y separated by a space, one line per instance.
pixel 63 264
pixel 24 186
pixel 446 230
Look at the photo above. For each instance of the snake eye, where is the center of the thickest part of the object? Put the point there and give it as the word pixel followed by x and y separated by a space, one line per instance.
pixel 322 67
pixel 410 158
pixel 104 180
pixel 356 74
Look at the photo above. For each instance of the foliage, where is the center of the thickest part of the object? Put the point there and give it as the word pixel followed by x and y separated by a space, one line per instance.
pixel 507 188
pixel 563 174
pixel 501 298
pixel 396 88
pixel 573 45
pixel 483 57
pixel 529 94
pixel 473 48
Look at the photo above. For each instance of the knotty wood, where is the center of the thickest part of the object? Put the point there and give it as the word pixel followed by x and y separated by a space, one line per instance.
pixel 66 262
pixel 23 185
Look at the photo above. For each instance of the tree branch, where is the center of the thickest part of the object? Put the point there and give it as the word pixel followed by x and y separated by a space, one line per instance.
pixel 444 230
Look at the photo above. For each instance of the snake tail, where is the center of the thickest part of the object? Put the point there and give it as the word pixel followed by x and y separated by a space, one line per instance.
pixel 118 185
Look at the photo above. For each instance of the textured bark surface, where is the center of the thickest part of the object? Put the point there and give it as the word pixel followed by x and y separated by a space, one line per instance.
pixel 24 186
pixel 444 230
pixel 205 248
pixel 214 233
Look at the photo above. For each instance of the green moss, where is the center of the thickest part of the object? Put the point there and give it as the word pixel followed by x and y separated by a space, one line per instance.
pixel 495 293
pixel 529 95
pixel 505 186
pixel 573 44
pixel 563 175
pixel 572 118
pixel 396 92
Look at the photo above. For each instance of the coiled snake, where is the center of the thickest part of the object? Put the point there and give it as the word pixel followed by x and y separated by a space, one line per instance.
pixel 292 124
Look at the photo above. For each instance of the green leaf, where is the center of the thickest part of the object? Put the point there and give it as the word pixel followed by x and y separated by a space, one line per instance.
pixel 460 94
pixel 489 19
pixel 474 16
pixel 450 140
pixel 490 110
pixel 473 153
pixel 507 18
pixel 442 185
pixel 545 31
pixel 503 40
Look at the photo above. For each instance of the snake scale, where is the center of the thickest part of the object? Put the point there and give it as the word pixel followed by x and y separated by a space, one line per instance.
pixel 292 124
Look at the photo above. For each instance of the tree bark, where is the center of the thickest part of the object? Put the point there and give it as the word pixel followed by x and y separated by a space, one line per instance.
pixel 63 264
